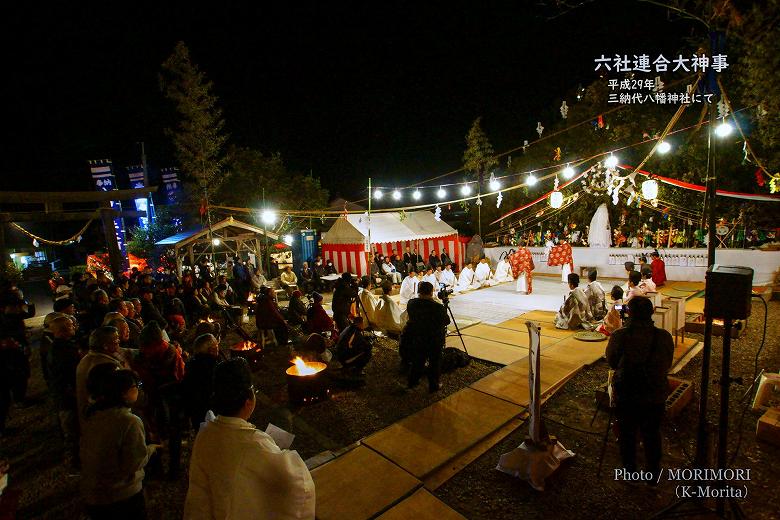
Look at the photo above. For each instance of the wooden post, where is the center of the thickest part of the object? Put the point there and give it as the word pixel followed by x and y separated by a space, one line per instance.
pixel 192 257
pixel 177 254
pixel 114 256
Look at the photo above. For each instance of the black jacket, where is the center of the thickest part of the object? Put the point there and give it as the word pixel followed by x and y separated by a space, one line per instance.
pixel 427 325
pixel 641 356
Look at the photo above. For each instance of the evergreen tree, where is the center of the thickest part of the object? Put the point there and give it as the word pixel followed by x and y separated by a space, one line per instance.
pixel 478 159
pixel 198 138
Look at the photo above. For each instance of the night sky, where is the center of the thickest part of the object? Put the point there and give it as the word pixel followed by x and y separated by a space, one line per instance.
pixel 345 90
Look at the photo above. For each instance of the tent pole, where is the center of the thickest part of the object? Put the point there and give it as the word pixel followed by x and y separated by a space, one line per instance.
pixel 368 246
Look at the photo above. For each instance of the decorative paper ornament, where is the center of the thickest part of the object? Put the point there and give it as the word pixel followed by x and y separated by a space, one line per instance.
pixel 78 239
pixel 478 202
pixel 555 185
pixel 557 154
pixel 745 158
pixel 499 199
pixel 35 242
pixel 322 218
pixel 509 161
pixel 402 215
pixel 723 109
pixel 539 128
pixel 437 213
pixel 564 110
pixel 525 145
pixel 556 199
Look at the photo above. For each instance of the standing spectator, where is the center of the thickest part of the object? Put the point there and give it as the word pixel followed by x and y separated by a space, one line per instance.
pixel 641 355
pixel 113 448
pixel 62 361
pixel 238 471
pixel 149 311
pixel 424 334
pixel 658 268
pixel 103 348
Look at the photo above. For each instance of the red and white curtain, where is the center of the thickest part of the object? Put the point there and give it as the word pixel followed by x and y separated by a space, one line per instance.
pixel 351 258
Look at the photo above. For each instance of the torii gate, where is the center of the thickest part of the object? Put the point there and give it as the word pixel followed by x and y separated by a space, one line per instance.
pixel 52 211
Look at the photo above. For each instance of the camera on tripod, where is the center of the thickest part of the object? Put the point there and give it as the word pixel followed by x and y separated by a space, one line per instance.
pixel 444 293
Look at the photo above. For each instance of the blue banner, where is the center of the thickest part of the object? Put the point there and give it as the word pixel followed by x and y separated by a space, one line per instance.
pixel 103 175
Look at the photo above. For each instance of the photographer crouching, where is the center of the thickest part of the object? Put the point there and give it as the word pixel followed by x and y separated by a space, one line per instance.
pixel 344 295
pixel 424 337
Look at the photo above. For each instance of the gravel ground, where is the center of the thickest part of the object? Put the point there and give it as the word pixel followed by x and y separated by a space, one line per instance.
pixel 575 491
pixel 34 447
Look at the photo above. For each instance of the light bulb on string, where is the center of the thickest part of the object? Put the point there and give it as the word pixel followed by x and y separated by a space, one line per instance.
pixel 568 172
pixel 396 195
pixel 416 194
pixel 441 193
pixel 465 190
pixel 494 185
pixel 378 194
pixel 215 241
pixel 664 147
pixel 724 129
pixel 611 161
pixel 650 189
pixel 531 180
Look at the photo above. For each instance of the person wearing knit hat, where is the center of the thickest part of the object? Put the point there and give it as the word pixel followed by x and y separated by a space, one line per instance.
pixel 238 471
pixel 317 320
pixel 296 309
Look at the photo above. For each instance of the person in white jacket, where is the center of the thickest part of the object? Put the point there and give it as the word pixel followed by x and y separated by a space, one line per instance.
pixel 237 471
pixel 368 301
pixel 503 271
pixel 409 287
pixel 447 277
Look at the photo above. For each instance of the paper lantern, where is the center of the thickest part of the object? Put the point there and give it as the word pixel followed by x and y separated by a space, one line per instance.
pixel 650 189
pixel 556 199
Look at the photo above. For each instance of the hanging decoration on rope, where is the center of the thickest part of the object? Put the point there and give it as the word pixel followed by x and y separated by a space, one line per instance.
pixel 37 240
pixel 539 128
pixel 402 215
pixel 564 110
pixel 557 154
pixel 499 199
pixel 437 213
pixel 723 109
pixel 478 202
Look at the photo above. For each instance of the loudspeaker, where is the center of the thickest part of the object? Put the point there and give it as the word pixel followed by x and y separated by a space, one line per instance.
pixel 728 292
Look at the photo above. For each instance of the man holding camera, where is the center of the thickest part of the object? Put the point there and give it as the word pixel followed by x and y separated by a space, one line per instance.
pixel 424 336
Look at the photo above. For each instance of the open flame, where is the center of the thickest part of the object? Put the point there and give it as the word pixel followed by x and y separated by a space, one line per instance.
pixel 303 368
pixel 245 345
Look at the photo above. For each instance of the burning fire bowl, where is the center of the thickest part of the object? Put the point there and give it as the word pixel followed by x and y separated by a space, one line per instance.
pixel 248 350
pixel 307 382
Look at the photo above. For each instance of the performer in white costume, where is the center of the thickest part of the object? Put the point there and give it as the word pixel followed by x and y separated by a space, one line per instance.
pixel 503 271
pixel 466 280
pixel 368 300
pixel 447 277
pixel 483 275
pixel 600 233
pixel 409 287
pixel 388 314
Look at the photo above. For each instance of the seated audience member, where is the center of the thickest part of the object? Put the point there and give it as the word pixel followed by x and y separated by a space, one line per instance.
pixel 268 316
pixel 503 271
pixel 408 288
pixel 288 280
pixel 430 277
pixel 98 308
pixel 658 268
pixel 307 279
pixel 368 301
pixel 399 264
pixel 483 275
pixel 315 348
pixel 433 260
pixel 317 320
pixel 647 284
pixel 388 313
pixel 218 298
pixel 575 311
pixel 196 387
pixel 353 349
pixel 238 471
pixel 614 318
pixel 447 277
pixel 445 259
pixel 113 447
pixel 389 269
pixel 256 280
pixel 330 269
pixel 296 309
pixel 466 279
pixel 103 349
pixel 634 279
pixel 376 273
pixel 595 294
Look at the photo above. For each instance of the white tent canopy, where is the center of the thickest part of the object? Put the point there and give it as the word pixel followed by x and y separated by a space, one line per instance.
pixel 387 227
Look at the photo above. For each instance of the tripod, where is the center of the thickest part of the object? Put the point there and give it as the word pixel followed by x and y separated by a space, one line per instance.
pixel 446 302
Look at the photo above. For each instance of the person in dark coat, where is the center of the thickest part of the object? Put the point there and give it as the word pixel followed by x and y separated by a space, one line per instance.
pixel 149 311
pixel 317 320
pixel 434 261
pixel 424 335
pixel 353 350
pixel 197 384
pixel 641 355
pixel 62 360
pixel 296 309
pixel 344 294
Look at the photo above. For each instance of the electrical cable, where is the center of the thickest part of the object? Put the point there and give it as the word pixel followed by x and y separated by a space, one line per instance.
pixel 748 402
pixel 588 432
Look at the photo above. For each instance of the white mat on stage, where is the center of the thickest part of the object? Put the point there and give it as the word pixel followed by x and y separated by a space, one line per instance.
pixel 493 305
